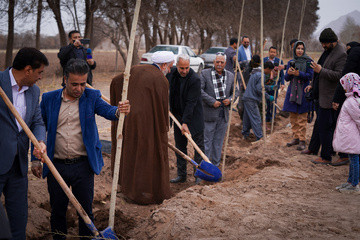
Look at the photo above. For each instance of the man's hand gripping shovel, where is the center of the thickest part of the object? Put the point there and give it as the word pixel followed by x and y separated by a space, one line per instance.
pixel 205 170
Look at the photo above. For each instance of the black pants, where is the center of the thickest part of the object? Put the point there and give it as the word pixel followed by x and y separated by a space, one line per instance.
pixel 181 144
pixel 81 179
pixel 326 124
pixel 314 144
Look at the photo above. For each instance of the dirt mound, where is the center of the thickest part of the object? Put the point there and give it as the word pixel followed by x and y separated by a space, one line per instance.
pixel 269 191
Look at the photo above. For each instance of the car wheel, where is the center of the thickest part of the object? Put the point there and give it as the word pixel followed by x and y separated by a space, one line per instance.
pixel 201 67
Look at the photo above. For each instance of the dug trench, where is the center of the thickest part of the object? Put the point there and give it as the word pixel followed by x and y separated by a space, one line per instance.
pixel 269 191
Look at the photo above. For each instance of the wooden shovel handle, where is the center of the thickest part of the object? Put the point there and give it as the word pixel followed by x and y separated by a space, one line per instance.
pixel 50 165
pixel 187 135
pixel 183 155
pixel 102 96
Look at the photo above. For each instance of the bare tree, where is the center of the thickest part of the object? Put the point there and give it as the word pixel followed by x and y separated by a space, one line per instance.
pixel 38 23
pixel 55 7
pixel 10 37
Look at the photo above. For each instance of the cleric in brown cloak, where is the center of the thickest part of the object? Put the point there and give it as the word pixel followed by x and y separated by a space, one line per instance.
pixel 144 165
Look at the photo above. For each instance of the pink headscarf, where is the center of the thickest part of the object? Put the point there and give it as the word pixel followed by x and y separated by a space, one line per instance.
pixel 351 84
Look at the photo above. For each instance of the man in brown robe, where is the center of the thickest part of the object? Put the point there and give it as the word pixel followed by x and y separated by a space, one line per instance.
pixel 144 165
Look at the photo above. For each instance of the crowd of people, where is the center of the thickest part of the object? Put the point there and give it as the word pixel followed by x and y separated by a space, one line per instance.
pixel 64 121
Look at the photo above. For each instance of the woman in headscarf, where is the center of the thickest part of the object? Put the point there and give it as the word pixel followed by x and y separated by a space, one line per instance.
pixel 299 73
pixel 346 135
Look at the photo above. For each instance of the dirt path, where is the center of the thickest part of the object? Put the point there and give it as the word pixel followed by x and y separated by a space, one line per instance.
pixel 269 192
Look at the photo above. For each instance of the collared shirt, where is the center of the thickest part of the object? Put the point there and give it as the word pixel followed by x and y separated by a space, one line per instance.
pixel 19 100
pixel 248 53
pixel 69 142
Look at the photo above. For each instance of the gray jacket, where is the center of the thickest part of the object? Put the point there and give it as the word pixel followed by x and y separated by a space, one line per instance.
pixel 330 75
pixel 209 98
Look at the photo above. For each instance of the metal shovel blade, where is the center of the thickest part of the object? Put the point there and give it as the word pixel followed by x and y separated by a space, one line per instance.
pixel 107 233
pixel 207 171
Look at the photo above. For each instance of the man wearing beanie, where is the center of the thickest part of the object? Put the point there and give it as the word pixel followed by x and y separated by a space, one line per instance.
pixel 327 72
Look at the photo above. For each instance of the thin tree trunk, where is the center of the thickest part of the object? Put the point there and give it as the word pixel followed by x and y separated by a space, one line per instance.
pixel 38 23
pixel 10 39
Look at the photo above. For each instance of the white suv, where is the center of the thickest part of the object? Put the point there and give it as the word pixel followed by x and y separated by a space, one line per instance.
pixel 196 63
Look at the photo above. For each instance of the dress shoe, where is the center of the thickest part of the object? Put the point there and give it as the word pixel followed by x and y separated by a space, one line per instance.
pixel 178 179
pixel 340 161
pixel 320 160
pixel 293 142
pixel 307 152
pixel 301 146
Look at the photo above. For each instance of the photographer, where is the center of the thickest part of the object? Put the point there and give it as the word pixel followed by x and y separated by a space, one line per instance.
pixel 76 49
pixel 299 73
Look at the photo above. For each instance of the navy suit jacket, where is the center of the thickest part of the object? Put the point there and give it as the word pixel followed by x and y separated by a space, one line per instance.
pixel 13 142
pixel 242 55
pixel 90 103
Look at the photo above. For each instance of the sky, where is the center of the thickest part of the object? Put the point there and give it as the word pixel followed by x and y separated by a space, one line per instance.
pixel 333 9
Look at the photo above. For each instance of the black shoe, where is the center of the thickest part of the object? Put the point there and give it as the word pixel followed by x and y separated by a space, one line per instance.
pixel 301 146
pixel 178 179
pixel 293 142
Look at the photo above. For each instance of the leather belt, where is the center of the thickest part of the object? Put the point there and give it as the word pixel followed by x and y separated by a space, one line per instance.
pixel 70 161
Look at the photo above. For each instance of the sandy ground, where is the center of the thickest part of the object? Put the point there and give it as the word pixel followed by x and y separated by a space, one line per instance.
pixel 269 191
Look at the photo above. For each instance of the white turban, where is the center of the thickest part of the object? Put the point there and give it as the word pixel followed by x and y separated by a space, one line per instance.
pixel 163 57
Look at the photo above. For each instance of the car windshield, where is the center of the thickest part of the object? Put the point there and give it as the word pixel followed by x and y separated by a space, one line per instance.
pixel 175 50
pixel 215 50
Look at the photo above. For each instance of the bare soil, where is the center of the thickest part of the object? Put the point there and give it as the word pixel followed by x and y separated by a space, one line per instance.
pixel 269 191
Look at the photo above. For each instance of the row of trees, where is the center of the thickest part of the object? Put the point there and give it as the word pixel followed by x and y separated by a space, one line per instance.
pixel 197 23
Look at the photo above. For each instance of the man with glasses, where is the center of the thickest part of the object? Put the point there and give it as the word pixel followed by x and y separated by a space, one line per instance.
pixel 185 105
pixel 217 86
pixel 245 50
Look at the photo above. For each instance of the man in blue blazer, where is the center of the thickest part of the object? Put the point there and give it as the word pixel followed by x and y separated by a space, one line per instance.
pixel 73 143
pixel 18 83
pixel 271 79
pixel 217 87
pixel 245 50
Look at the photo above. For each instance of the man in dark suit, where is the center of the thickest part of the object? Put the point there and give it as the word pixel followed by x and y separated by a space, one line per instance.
pixel 76 49
pixel 327 72
pixel 73 143
pixel 185 105
pixel 18 83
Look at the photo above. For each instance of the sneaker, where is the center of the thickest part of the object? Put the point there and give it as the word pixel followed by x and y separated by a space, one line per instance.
pixel 344 185
pixel 351 189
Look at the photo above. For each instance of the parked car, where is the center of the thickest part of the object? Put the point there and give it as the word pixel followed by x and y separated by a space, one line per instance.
pixel 209 55
pixel 196 63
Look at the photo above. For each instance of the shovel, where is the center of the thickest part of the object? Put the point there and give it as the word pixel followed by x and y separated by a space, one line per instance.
pixel 282 113
pixel 187 135
pixel 204 170
pixel 108 232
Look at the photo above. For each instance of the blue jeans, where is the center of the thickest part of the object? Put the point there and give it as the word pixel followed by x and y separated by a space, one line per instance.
pixel 354 169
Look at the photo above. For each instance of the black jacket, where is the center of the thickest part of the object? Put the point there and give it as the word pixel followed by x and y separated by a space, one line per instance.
pixel 66 53
pixel 352 65
pixel 190 99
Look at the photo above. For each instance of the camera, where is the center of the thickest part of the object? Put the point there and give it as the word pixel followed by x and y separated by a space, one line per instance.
pixel 85 41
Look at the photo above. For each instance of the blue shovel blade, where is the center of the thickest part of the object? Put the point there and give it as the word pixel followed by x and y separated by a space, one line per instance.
pixel 107 233
pixel 207 171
